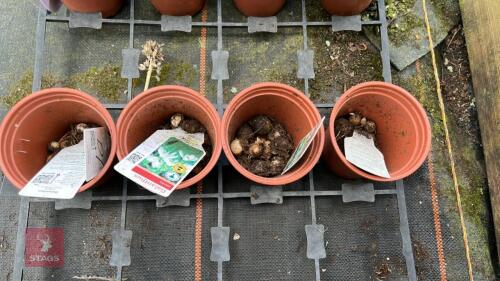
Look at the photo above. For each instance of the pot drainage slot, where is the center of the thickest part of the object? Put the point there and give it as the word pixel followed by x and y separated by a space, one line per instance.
pixel 86 20
pixel 352 192
pixel 306 68
pixel 82 200
pixel 315 241
pixel 130 63
pixel 177 198
pixel 220 244
pixel 219 65
pixel 172 23
pixel 265 194
pixel 120 255
pixel 262 24
pixel 352 23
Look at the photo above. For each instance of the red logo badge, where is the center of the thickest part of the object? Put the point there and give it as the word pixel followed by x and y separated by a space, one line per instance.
pixel 44 247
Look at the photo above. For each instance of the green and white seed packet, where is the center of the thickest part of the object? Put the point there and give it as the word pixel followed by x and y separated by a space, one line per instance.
pixel 163 161
pixel 304 144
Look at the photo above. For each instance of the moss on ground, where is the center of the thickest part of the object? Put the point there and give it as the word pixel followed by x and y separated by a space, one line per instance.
pixel 262 57
pixel 447 11
pixel 23 86
pixel 315 11
pixel 176 73
pixel 474 197
pixel 105 82
pixel 472 182
pixel 402 20
pixel 400 32
pixel 405 25
pixel 422 86
pixel 469 167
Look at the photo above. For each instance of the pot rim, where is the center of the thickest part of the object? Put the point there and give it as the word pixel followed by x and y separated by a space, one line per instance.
pixel 33 102
pixel 165 8
pixel 165 92
pixel 419 118
pixel 298 98
pixel 273 7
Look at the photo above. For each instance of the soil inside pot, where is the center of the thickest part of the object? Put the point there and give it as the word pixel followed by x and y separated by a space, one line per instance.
pixel 191 126
pixel 72 137
pixel 354 121
pixel 262 146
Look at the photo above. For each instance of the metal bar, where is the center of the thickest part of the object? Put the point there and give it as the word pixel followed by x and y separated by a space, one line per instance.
pixel 324 105
pixel 304 33
pixel 17 274
pixel 313 216
pixel 405 232
pixel 311 176
pixel 22 222
pixel 403 216
pixel 116 106
pixel 384 43
pixel 301 193
pixel 123 219
pixel 121 106
pixel 220 195
pixel 225 195
pixel 220 101
pixel 2 182
pixel 219 270
pixel 131 44
pixel 311 195
pixel 39 49
pixel 53 18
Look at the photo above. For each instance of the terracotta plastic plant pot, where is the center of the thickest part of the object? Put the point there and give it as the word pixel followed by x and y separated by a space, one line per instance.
pixel 43 117
pixel 345 7
pixel 149 110
pixel 51 5
pixel 288 106
pixel 108 8
pixel 178 7
pixel 259 8
pixel 403 130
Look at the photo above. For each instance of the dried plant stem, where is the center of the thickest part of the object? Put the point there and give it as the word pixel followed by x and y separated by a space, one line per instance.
pixel 154 58
pixel 451 157
pixel 148 77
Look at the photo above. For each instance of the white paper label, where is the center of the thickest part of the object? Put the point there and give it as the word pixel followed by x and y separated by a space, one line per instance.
pixel 361 152
pixel 163 160
pixel 304 144
pixel 97 144
pixel 61 178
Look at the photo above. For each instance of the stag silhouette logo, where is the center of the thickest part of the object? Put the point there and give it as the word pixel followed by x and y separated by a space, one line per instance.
pixel 44 247
pixel 45 241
